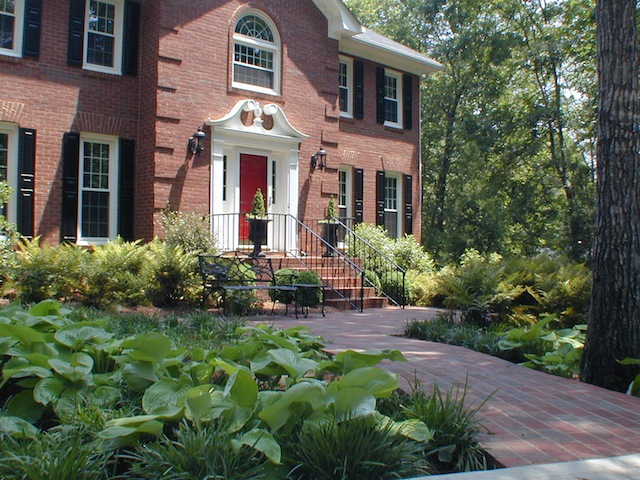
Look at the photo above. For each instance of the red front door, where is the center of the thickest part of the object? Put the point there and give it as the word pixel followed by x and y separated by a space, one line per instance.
pixel 253 175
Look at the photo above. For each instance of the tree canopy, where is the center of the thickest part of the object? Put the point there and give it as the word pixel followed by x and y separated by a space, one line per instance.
pixel 508 125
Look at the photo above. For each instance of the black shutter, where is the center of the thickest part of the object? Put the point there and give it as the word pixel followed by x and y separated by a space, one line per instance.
pixel 130 41
pixel 359 194
pixel 380 193
pixel 408 204
pixel 380 94
pixel 70 165
pixel 408 102
pixel 32 23
pixel 26 180
pixel 125 190
pixel 358 89
pixel 76 33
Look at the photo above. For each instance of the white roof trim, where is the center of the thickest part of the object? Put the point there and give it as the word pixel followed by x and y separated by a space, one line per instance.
pixel 232 121
pixel 356 40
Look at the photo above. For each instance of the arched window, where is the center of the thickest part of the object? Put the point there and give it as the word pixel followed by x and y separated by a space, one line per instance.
pixel 256 55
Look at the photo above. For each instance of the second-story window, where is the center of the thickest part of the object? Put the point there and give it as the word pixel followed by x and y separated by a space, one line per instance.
pixel 11 22
pixel 256 55
pixel 345 82
pixel 392 99
pixel 104 35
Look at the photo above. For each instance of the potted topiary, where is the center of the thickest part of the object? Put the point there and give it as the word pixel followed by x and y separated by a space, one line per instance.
pixel 330 228
pixel 258 220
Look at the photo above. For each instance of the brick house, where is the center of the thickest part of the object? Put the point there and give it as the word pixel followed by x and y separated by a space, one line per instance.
pixel 112 110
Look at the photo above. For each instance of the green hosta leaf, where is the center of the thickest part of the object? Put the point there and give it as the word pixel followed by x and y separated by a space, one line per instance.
pixel 241 351
pixel 106 396
pixel 293 364
pixel 48 307
pixel 17 427
pixel 278 414
pixel 166 392
pixel 48 390
pixel 25 335
pixel 240 417
pixel 262 441
pixel 378 381
pixel 198 405
pixel 118 436
pixel 20 368
pixel 354 402
pixel 242 389
pixel 79 334
pixel 149 347
pixel 413 429
pixel 24 406
pixel 76 369
pixel 279 341
pixel 139 375
pixel 352 360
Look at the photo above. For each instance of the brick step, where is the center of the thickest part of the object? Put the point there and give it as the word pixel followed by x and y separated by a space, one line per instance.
pixel 369 302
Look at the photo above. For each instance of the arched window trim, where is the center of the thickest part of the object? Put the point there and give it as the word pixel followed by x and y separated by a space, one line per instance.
pixel 256 43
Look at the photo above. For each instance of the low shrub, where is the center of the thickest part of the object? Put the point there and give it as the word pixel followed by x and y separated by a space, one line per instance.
pixel 284 276
pixel 308 297
pixel 35 271
pixel 171 274
pixel 455 446
pixel 355 448
pixel 210 451
pixel 190 231
pixel 445 330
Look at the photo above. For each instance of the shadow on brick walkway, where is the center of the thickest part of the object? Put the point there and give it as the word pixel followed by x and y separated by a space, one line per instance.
pixel 532 418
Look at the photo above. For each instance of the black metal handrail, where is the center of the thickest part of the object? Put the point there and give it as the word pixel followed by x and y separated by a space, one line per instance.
pixel 345 262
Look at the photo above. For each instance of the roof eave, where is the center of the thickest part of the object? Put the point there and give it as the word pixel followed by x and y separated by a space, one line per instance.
pixel 404 60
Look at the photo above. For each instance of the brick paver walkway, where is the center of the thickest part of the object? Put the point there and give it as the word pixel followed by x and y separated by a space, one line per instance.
pixel 532 418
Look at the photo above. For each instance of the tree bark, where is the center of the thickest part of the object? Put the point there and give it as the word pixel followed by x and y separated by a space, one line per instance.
pixel 614 318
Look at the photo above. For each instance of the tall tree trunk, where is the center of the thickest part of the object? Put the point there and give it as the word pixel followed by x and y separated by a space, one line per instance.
pixel 614 319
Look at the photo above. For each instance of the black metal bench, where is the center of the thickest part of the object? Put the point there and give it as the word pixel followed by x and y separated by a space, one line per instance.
pixel 238 272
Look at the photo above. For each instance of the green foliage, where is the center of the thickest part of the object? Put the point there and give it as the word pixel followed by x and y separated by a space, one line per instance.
pixel 355 448
pixel 7 236
pixel 455 446
pixel 309 297
pixel 36 270
pixel 258 206
pixel 553 351
pixel 284 276
pixel 238 404
pixel 444 330
pixel 331 213
pixel 62 453
pixel 117 274
pixel 172 275
pixel 190 231
pixel 208 452
pixel 478 287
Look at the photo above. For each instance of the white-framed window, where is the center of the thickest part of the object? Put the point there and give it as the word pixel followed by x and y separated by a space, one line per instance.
pixel 392 191
pixel 345 82
pixel 345 193
pixel 11 27
pixel 392 98
pixel 98 198
pixel 256 54
pixel 9 166
pixel 104 23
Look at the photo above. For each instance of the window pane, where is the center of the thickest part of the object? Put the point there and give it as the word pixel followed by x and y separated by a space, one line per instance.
pixel 100 38
pixel 391 223
pixel 391 193
pixel 342 189
pixel 96 166
pixel 6 29
pixel 95 214
pixel 252 76
pixel 4 155
pixel 4 164
pixel 254 27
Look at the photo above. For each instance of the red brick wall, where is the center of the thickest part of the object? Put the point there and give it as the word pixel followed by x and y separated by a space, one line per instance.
pixel 195 84
pixel 55 99
pixel 184 79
